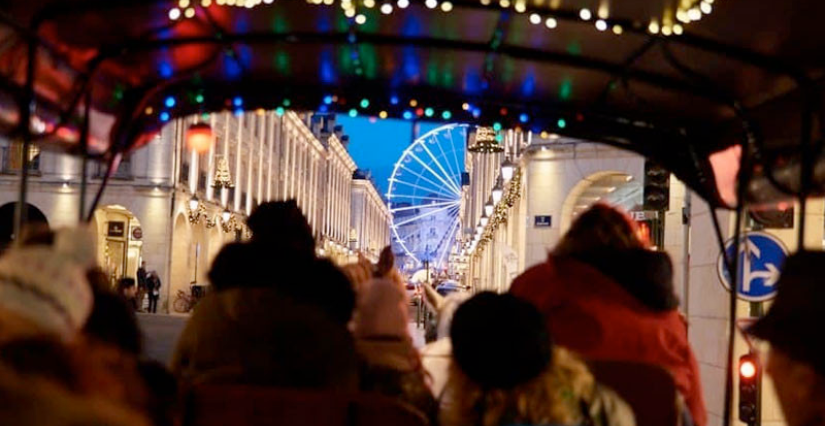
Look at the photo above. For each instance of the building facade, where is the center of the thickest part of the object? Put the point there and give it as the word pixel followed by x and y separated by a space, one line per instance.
pixel 175 208
pixel 370 220
pixel 556 179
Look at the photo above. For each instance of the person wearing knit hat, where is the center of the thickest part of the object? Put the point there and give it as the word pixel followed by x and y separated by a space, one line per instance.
pixel 390 365
pixel 43 288
pixel 507 371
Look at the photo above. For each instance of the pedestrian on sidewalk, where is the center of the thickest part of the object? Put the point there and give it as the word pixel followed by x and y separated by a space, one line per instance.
pixel 154 291
pixel 142 283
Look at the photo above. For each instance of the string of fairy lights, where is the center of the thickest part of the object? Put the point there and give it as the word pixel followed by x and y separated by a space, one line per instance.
pixel 671 22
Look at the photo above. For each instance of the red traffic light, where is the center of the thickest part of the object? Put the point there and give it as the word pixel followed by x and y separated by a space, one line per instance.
pixel 747 369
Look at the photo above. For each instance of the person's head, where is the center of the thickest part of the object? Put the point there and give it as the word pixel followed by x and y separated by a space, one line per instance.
pixel 45 285
pixel 126 287
pixel 600 227
pixel 506 370
pixel 243 265
pixel 282 225
pixel 797 356
pixel 500 341
pixel 381 310
pixel 309 281
pixel 113 321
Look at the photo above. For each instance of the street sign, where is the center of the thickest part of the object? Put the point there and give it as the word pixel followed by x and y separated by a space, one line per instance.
pixel 543 221
pixel 761 258
pixel 643 215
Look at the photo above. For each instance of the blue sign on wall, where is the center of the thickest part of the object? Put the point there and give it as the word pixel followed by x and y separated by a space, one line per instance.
pixel 761 258
pixel 543 221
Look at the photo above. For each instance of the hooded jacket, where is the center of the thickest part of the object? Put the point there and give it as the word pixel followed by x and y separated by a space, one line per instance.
pixel 629 315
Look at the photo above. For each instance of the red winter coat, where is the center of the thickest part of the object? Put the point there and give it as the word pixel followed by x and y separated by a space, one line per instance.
pixel 592 314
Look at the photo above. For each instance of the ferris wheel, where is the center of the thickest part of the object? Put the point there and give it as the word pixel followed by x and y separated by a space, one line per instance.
pixel 425 196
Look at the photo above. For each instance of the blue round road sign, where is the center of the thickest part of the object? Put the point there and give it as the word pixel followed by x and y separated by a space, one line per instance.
pixel 761 258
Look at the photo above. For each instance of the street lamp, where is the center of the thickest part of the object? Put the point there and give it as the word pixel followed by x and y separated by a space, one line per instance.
pixel 226 215
pixel 484 219
pixel 507 169
pixel 196 209
pixel 194 203
pixel 488 208
pixel 498 191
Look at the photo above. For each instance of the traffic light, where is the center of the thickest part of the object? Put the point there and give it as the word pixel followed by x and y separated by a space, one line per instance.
pixel 750 386
pixel 656 187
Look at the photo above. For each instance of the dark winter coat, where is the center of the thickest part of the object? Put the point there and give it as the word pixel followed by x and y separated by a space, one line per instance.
pixel 257 336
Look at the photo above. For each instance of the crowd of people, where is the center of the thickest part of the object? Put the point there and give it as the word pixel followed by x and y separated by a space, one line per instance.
pixel 279 317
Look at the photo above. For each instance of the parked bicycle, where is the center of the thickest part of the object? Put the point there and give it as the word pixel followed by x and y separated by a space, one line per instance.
pixel 184 303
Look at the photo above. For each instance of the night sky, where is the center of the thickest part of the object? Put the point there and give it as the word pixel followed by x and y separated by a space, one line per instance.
pixel 377 144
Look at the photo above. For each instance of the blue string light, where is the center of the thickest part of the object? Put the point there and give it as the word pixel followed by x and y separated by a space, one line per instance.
pixel 562 123
pixel 408 115
pixel 164 116
pixel 394 100
pixel 170 102
pixel 238 101
pixel 523 117
pixel 279 111
pixel 446 115
pixel 328 99
pixel 365 103
pixel 353 113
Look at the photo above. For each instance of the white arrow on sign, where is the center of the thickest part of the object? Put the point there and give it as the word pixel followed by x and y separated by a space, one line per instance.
pixel 771 276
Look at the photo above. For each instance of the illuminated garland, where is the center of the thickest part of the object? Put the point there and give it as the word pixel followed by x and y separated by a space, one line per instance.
pixel 501 212
pixel 670 23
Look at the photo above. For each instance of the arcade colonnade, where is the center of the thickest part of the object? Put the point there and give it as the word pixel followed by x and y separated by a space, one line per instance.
pixel 175 209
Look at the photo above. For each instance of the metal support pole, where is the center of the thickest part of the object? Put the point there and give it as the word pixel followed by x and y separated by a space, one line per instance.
pixel 84 152
pixel 20 212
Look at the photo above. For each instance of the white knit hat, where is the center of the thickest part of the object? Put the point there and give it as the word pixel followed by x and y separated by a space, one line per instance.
pixel 47 285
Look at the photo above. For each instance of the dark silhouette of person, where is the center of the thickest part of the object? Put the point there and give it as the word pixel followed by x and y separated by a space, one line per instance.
pixel 154 291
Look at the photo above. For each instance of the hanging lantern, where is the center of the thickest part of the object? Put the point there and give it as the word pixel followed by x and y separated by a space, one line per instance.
pixel 199 138
pixel 488 208
pixel 194 204
pixel 507 169
pixel 485 142
pixel 498 191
